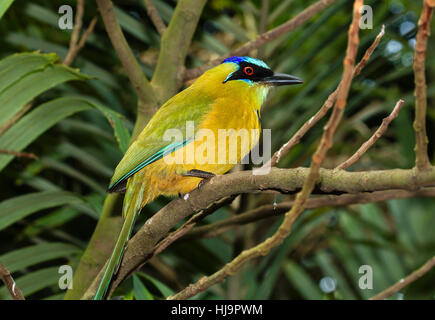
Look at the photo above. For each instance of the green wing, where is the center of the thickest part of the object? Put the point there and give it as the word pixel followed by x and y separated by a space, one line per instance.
pixel 151 146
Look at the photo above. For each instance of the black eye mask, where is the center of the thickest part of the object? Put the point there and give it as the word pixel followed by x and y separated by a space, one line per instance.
pixel 249 71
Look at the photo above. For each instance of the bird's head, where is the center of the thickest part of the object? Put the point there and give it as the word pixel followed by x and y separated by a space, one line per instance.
pixel 243 77
pixel 256 72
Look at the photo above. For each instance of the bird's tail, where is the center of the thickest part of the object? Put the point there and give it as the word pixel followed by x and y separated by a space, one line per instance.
pixel 132 206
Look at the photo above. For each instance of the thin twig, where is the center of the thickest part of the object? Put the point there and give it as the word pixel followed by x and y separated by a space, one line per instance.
pixel 155 16
pixel 10 283
pixel 262 25
pixel 78 22
pixel 9 124
pixel 421 141
pixel 74 51
pixel 274 210
pixel 369 52
pixel 378 133
pixel 296 138
pixel 317 159
pixel 134 71
pixel 167 272
pixel 18 154
pixel 15 118
pixel 87 33
pixel 264 38
pixel 75 45
pixel 406 281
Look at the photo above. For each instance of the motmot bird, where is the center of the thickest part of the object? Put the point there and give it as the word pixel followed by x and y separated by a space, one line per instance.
pixel 228 96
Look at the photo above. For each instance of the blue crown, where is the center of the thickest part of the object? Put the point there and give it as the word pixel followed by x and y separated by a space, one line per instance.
pixel 237 60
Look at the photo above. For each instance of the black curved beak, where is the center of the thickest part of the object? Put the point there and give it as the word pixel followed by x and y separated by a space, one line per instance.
pixel 281 79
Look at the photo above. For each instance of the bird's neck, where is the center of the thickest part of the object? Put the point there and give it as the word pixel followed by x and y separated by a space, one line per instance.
pixel 261 95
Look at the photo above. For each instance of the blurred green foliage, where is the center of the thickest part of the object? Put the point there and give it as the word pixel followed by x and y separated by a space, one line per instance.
pixel 49 206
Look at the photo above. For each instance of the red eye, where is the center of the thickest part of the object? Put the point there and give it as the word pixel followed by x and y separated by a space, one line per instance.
pixel 249 71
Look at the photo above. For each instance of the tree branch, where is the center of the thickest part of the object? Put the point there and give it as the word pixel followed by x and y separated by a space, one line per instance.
pixel 283 180
pixel 174 46
pixel 154 16
pixel 378 133
pixel 421 141
pixel 187 226
pixel 264 38
pixel 309 183
pixel 75 48
pixel 406 281
pixel 140 83
pixel 78 23
pixel 269 211
pixel 296 138
pixel 10 283
pixel 75 45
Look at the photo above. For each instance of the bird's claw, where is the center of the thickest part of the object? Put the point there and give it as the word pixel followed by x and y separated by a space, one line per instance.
pixel 200 174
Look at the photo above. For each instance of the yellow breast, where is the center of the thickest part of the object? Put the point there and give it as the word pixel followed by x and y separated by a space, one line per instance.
pixel 228 133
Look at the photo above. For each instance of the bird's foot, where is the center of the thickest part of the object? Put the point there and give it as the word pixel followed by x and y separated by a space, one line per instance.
pixel 199 174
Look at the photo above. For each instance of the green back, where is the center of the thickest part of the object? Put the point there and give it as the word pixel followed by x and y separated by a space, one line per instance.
pixel 150 146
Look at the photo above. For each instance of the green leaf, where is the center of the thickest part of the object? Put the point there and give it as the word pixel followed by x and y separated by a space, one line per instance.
pixel 132 26
pixel 88 67
pixel 406 136
pixel 58 296
pixel 14 97
pixel 14 67
pixel 227 25
pixel 33 282
pixel 31 126
pixel 72 172
pixel 213 45
pixel 120 130
pixel 116 121
pixel 4 5
pixel 44 14
pixel 140 291
pixel 164 289
pixel 77 125
pixel 15 209
pixel 32 255
pixel 347 256
pixel 329 269
pixel 165 10
pixel 265 289
pixel 86 158
pixel 52 220
pixel 302 281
